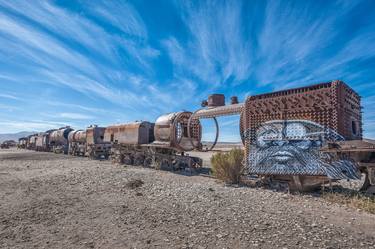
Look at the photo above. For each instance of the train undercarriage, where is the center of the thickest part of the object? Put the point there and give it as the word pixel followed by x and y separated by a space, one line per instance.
pixel 152 156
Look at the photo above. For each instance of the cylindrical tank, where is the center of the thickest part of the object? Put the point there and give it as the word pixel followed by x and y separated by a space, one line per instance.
pixel 78 136
pixel 172 130
pixel 60 135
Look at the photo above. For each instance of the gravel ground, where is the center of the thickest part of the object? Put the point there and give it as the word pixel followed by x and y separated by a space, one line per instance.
pixel 58 201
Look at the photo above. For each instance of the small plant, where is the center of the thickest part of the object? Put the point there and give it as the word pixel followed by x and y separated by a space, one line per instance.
pixel 353 199
pixel 135 183
pixel 228 166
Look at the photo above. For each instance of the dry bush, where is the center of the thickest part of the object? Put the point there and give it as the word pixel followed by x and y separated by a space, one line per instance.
pixel 352 199
pixel 228 166
pixel 135 183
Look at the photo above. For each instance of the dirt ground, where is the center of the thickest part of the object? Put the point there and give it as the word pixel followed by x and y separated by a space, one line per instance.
pixel 59 201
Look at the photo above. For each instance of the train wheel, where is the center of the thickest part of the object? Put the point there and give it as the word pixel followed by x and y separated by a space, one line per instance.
pixel 128 159
pixel 139 159
pixel 162 164
pixel 147 162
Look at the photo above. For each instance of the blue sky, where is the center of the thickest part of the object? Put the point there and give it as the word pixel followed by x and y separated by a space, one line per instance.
pixel 103 62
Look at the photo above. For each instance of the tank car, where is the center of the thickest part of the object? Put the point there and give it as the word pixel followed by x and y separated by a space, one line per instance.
pixel 31 142
pixel 39 141
pixel 22 143
pixel 77 143
pixel 58 140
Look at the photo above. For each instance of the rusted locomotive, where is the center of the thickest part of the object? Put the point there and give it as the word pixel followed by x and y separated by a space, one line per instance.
pixel 301 136
pixel 31 142
pixel 89 142
pixel 8 144
pixel 161 145
pixel 304 137
pixel 22 142
pixel 58 140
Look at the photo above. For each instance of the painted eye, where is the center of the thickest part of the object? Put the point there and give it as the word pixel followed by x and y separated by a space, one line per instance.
pixel 265 139
pixel 295 130
pixel 304 144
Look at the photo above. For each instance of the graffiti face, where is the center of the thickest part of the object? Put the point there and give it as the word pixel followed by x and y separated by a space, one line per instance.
pixel 291 147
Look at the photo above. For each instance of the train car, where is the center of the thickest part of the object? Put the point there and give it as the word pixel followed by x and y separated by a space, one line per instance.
pixel 161 145
pixel 96 146
pixel 58 140
pixel 8 144
pixel 126 140
pixel 31 142
pixel 39 141
pixel 22 143
pixel 89 142
pixel 77 143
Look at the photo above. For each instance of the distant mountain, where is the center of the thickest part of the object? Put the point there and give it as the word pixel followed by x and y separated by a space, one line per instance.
pixel 15 136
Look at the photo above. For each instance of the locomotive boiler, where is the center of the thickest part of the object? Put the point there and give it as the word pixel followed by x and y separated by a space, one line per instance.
pixel 22 142
pixel 89 142
pixel 31 142
pixel 58 140
pixel 77 143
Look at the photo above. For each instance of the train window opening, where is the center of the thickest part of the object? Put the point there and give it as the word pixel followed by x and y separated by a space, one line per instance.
pixel 354 127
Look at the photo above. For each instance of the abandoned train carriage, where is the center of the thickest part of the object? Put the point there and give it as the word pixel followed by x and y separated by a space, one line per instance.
pixel 160 145
pixel 58 140
pixel 77 143
pixel 22 142
pixel 89 142
pixel 126 140
pixel 96 146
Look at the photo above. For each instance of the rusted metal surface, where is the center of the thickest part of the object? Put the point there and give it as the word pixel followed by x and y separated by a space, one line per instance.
pixel 171 130
pixel 96 147
pixel 333 105
pixel 8 144
pixel 360 151
pixel 95 134
pixel 78 136
pixel 215 100
pixel 227 110
pixel 131 133
pixel 334 112
pixel 22 142
pixel 31 142
pixel 58 140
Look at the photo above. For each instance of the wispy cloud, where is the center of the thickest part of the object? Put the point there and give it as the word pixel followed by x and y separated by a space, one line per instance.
pixel 79 116
pixel 116 61
pixel 217 50
pixel 8 96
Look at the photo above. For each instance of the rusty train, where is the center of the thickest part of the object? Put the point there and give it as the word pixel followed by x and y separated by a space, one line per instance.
pixel 161 144
pixel 304 136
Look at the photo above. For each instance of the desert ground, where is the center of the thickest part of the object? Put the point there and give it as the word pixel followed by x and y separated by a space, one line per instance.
pixel 60 201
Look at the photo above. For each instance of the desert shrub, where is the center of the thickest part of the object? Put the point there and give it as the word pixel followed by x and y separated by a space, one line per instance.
pixel 228 166
pixel 135 183
pixel 352 199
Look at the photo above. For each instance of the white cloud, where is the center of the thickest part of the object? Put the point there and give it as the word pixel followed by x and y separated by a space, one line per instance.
pixel 8 96
pixel 217 50
pixel 78 116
